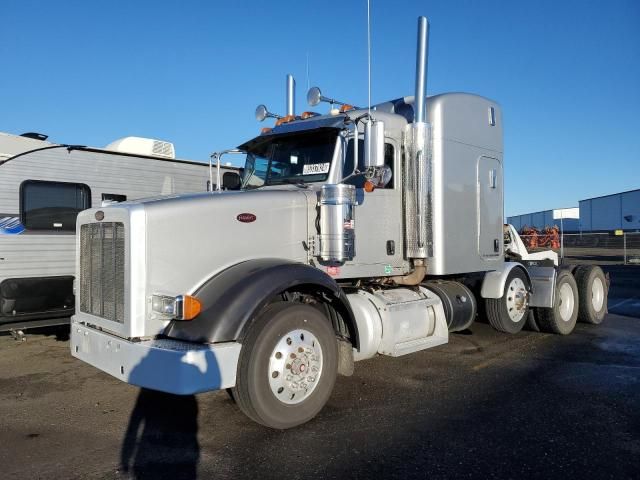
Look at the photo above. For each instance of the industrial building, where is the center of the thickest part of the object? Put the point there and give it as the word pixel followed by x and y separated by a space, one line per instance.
pixel 619 211
pixel 608 213
pixel 566 219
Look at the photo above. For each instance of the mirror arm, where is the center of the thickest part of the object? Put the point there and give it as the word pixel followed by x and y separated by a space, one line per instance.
pixel 211 157
pixel 218 156
pixel 218 186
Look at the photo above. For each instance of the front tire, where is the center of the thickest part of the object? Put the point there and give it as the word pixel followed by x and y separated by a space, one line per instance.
pixel 287 366
pixel 562 317
pixel 593 292
pixel 509 313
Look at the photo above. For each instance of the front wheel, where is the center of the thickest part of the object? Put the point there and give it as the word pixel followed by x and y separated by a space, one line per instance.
pixel 509 313
pixel 287 366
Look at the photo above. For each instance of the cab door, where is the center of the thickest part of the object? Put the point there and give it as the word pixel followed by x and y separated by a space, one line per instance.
pixel 379 249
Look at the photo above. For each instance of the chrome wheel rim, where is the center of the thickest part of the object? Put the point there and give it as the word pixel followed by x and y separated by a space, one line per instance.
pixel 597 294
pixel 517 300
pixel 567 302
pixel 295 366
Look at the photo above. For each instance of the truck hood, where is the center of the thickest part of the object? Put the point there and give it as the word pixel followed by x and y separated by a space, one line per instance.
pixel 173 245
pixel 190 238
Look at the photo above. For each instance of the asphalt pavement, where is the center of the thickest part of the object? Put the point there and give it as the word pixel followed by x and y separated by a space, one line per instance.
pixel 624 293
pixel 487 405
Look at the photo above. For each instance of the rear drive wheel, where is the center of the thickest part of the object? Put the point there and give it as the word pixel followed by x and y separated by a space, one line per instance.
pixel 562 317
pixel 593 292
pixel 509 313
pixel 287 366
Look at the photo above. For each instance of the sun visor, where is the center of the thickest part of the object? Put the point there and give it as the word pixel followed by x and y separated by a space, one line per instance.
pixel 290 130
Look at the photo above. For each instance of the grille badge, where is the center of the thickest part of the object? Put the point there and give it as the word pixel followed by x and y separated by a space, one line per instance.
pixel 99 215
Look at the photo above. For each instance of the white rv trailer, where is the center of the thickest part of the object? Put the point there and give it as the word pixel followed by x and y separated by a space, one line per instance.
pixel 44 185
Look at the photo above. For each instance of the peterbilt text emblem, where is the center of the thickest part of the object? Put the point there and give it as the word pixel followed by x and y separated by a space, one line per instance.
pixel 246 217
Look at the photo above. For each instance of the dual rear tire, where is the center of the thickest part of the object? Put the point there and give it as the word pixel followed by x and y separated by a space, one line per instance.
pixel 593 293
pixel 579 297
pixel 562 317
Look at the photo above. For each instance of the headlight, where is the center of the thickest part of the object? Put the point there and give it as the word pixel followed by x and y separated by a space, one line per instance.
pixel 182 307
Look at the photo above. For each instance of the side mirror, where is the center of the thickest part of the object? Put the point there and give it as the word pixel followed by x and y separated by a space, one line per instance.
pixel 314 96
pixel 374 144
pixel 261 113
pixel 231 181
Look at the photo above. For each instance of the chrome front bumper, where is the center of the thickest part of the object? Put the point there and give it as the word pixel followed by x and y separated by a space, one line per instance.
pixel 170 366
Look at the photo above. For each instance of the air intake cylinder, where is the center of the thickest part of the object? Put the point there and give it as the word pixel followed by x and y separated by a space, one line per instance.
pixel 337 223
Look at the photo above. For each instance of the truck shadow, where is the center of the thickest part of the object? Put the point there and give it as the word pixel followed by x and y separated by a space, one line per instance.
pixel 161 440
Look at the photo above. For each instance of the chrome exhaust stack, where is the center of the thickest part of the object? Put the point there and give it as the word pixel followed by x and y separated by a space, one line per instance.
pixel 291 96
pixel 417 173
pixel 419 102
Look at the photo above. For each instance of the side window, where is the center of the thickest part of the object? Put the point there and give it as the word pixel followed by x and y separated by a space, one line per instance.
pixel 52 205
pixel 358 181
pixel 389 155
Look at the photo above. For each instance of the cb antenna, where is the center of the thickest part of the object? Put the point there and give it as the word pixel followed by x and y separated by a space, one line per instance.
pixel 308 87
pixel 369 55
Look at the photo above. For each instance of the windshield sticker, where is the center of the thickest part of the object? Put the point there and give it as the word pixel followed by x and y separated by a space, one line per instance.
pixel 294 159
pixel 312 168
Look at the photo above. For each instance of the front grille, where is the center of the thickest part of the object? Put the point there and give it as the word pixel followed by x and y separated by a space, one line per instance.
pixel 102 270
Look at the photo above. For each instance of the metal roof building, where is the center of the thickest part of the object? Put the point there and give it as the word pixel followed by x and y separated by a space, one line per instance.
pixel 619 211
pixel 566 219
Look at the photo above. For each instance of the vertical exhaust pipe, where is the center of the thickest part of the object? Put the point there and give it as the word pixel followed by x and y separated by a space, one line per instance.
pixel 419 101
pixel 417 178
pixel 291 95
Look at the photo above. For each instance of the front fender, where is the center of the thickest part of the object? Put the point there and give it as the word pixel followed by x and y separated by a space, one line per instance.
pixel 232 299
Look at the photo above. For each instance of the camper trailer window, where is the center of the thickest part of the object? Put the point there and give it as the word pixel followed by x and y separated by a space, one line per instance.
pixel 52 205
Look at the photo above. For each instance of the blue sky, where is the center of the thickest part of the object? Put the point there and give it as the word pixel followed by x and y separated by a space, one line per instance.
pixel 567 74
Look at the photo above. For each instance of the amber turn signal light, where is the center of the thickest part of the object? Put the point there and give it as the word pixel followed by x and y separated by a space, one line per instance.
pixel 369 186
pixel 286 119
pixel 187 307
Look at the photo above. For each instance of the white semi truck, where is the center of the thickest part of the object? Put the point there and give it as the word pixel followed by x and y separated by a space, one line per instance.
pixel 359 233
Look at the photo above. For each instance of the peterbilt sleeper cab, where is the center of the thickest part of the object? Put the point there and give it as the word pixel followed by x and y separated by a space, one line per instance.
pixel 355 234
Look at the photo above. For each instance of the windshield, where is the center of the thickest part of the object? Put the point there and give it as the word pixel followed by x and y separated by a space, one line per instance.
pixel 295 158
